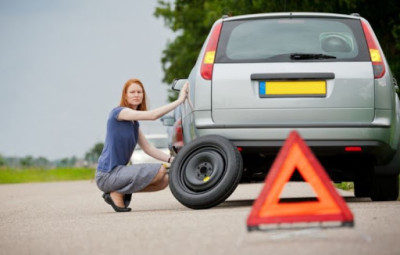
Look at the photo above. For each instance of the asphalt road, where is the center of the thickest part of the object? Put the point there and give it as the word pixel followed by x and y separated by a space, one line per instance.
pixel 72 218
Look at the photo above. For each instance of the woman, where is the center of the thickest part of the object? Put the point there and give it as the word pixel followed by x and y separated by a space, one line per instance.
pixel 113 176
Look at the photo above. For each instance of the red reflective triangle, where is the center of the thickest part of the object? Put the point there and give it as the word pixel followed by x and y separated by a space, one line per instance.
pixel 295 154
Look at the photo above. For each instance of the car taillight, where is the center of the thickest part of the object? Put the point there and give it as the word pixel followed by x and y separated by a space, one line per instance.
pixel 178 131
pixel 374 51
pixel 353 148
pixel 207 65
pixel 177 137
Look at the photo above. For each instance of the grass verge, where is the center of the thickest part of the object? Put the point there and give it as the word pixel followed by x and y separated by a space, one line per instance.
pixel 345 186
pixel 9 175
pixel 350 186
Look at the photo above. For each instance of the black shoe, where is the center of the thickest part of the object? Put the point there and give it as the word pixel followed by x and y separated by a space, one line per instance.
pixel 127 199
pixel 108 199
pixel 104 196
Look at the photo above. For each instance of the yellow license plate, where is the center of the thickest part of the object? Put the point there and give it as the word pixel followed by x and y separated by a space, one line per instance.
pixel 292 88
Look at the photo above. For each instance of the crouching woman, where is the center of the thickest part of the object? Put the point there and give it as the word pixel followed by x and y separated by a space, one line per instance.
pixel 114 176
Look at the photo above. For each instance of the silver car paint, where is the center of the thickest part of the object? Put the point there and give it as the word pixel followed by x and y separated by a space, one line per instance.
pixel 359 108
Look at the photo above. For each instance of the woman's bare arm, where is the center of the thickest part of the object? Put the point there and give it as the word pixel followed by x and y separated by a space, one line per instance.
pixel 129 114
pixel 150 149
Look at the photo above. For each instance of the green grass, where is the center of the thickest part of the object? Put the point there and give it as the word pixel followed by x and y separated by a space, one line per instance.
pixel 8 175
pixel 350 186
pixel 345 185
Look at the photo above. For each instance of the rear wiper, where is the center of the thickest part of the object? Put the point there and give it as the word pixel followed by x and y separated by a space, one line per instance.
pixel 301 56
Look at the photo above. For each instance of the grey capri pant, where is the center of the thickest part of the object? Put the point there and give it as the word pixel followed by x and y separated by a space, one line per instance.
pixel 127 179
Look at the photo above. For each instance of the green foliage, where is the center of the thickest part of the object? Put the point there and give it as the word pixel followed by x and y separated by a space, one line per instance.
pixel 66 162
pixel 9 175
pixel 345 185
pixel 192 21
pixel 2 161
pixel 27 161
pixel 42 162
pixel 94 153
pixel 39 162
pixel 30 161
pixel 350 186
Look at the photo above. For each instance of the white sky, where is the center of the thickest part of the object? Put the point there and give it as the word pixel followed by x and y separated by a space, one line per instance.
pixel 62 68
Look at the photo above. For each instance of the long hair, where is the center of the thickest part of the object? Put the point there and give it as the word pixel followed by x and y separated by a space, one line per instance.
pixel 124 101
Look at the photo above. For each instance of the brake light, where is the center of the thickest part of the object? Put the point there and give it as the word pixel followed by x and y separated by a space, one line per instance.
pixel 374 51
pixel 353 148
pixel 207 65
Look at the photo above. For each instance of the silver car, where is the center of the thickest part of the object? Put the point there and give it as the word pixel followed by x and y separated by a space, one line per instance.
pixel 258 77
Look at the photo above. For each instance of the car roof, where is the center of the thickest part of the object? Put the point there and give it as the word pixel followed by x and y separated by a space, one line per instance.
pixel 292 14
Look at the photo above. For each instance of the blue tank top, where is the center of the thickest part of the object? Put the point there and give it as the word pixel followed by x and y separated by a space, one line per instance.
pixel 121 139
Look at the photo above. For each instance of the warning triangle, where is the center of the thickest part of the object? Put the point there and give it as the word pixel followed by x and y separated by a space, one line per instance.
pixel 296 155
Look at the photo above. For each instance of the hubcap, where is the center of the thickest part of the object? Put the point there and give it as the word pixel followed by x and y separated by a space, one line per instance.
pixel 203 170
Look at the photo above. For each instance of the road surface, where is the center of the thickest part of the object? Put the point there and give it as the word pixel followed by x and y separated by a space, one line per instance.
pixel 72 218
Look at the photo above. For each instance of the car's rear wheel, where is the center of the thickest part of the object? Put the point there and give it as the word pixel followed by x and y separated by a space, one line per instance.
pixel 363 182
pixel 385 188
pixel 362 188
pixel 205 172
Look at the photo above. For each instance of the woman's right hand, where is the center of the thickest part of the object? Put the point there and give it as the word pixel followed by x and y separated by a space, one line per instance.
pixel 184 92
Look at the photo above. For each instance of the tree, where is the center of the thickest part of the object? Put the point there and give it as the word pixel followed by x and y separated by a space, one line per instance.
pixel 63 162
pixel 66 162
pixel 2 161
pixel 192 20
pixel 41 162
pixel 27 161
pixel 94 153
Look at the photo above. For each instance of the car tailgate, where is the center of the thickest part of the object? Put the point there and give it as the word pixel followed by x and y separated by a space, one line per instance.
pixel 238 100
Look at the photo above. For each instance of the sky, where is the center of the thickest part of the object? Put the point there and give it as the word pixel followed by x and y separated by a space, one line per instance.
pixel 62 68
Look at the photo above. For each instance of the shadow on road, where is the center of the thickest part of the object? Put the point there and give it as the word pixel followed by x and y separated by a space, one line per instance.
pixel 236 203
pixel 357 199
pixel 249 202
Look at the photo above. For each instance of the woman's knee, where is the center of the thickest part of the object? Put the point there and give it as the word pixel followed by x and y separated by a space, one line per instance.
pixel 162 173
pixel 164 182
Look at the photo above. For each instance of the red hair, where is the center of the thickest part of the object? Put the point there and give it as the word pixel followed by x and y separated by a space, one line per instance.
pixel 124 101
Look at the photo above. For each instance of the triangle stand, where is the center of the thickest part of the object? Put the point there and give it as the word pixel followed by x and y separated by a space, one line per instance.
pixel 268 209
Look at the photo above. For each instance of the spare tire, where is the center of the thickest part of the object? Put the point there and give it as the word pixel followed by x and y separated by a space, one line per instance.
pixel 205 172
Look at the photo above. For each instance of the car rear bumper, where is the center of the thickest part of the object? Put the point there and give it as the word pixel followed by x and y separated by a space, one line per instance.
pixel 374 141
pixel 381 152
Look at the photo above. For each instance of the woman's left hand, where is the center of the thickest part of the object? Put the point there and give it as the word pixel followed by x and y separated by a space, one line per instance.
pixel 184 92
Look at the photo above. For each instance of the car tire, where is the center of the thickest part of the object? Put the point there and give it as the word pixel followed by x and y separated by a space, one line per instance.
pixel 362 188
pixel 205 172
pixel 385 188
pixel 363 182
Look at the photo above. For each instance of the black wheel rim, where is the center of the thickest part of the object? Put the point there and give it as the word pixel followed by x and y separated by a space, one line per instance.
pixel 202 169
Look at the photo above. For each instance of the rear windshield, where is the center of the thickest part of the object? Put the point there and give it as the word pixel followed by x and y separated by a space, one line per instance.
pixel 281 40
